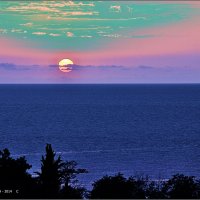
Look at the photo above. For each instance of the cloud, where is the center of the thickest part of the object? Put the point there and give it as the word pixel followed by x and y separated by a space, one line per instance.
pixel 53 66
pixel 14 67
pixel 54 34
pixel 144 67
pixel 32 8
pixel 94 19
pixel 98 74
pixel 86 36
pixel 3 31
pixel 79 13
pixel 115 8
pixel 72 3
pixel 27 24
pixel 69 34
pixel 7 66
pixel 92 67
pixel 39 33
pixel 140 68
pixel 111 35
pixel 18 31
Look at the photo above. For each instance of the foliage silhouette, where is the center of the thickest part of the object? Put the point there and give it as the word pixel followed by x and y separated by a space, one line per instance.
pixel 154 190
pixel 69 192
pixel 57 179
pixel 69 172
pixel 181 187
pixel 50 175
pixel 14 179
pixel 71 189
pixel 118 187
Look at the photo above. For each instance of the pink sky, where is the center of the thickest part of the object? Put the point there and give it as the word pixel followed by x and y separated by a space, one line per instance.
pixel 173 50
pixel 176 39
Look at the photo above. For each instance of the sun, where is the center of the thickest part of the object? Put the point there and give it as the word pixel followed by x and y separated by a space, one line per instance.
pixel 64 65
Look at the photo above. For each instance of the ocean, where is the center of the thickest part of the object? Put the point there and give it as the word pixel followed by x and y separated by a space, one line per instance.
pixel 146 129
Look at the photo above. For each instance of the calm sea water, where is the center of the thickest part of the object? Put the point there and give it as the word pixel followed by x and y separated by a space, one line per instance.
pixel 134 129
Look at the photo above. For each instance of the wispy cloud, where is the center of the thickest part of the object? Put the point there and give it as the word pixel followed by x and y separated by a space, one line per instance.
pixel 104 67
pixel 69 34
pixel 3 31
pixel 86 36
pixel 72 4
pixel 39 33
pixel 99 74
pixel 27 24
pixel 54 34
pixel 115 8
pixel 32 8
pixel 18 31
pixel 14 67
pixel 80 13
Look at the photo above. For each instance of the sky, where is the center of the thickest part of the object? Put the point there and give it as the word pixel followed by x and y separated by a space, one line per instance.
pixel 108 41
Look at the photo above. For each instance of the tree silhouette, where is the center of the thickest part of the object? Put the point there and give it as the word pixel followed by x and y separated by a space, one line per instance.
pixel 118 187
pixel 69 172
pixel 154 190
pixel 14 178
pixel 181 187
pixel 57 178
pixel 71 189
pixel 50 175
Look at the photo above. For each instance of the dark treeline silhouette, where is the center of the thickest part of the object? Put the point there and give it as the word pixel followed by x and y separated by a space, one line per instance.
pixel 58 179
